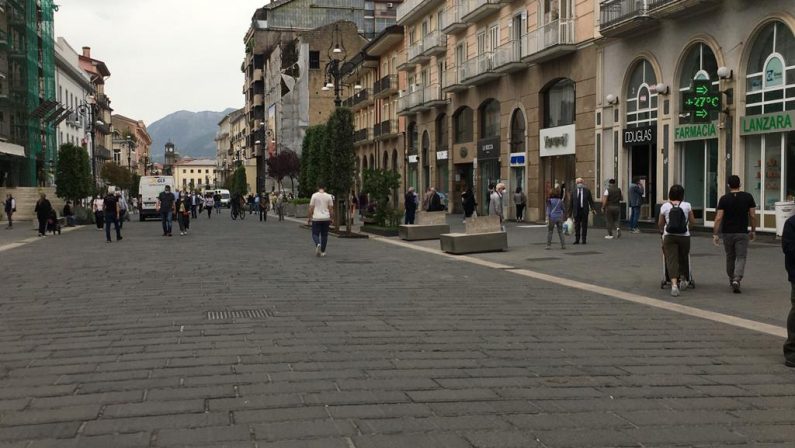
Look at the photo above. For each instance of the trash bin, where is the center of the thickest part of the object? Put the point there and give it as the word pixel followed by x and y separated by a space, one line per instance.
pixel 783 211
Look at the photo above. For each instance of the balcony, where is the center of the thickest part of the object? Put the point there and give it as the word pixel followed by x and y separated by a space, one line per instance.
pixel 258 100
pixel 385 86
pixel 404 64
pixel 408 102
pixel 478 70
pixel 416 55
pixel 452 81
pixel 257 76
pixel 508 57
pixel 451 20
pixel 361 99
pixel 421 99
pixel 385 130
pixel 476 10
pixel 435 43
pixel 413 10
pixel 550 41
pixel 619 17
pixel 361 136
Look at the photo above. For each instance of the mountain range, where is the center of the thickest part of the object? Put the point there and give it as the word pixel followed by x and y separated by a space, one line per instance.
pixel 193 133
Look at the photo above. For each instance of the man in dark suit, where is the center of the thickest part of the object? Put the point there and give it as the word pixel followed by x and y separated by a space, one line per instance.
pixel 581 205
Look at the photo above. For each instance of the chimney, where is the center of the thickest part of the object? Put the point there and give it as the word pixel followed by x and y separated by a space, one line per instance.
pixel 87 52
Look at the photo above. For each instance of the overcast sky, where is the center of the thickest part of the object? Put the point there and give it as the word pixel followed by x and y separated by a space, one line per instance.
pixel 163 55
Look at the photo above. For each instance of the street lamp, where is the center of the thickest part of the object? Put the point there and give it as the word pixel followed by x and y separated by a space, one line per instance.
pixel 88 109
pixel 129 152
pixel 336 55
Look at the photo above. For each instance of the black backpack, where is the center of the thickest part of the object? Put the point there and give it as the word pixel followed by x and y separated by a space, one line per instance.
pixel 677 220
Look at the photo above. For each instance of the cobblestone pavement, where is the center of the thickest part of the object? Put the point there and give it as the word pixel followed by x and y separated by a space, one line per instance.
pixel 110 345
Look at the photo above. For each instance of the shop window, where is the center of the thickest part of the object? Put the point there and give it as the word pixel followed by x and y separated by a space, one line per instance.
pixel 559 104
pixel 314 59
pixel 699 64
pixel 413 134
pixel 489 119
pixel 770 83
pixel 641 102
pixel 518 131
pixel 462 125
pixel 442 137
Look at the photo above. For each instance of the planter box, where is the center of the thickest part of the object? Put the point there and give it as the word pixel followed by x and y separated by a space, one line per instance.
pixel 300 210
pixel 381 231
pixel 289 209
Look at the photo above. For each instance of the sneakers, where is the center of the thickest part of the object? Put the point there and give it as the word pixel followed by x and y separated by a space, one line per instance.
pixel 317 250
pixel 618 233
pixel 181 233
pixel 683 284
pixel 675 291
pixel 789 363
pixel 636 230
pixel 322 254
pixel 608 237
pixel 548 247
pixel 736 287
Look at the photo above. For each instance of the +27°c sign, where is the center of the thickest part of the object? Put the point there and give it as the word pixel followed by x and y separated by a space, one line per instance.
pixel 702 99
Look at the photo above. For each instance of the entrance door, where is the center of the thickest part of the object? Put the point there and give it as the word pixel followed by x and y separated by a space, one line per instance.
pixel 643 165
pixel 489 174
pixel 699 176
pixel 462 182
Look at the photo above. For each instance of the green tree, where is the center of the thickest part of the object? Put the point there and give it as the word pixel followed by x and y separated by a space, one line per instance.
pixel 378 184
pixel 73 179
pixel 239 183
pixel 340 160
pixel 305 179
pixel 116 175
pixel 318 159
pixel 136 183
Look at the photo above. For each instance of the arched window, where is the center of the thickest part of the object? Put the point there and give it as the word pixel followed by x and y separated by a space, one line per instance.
pixel 394 160
pixel 699 64
pixel 372 162
pixel 641 99
pixel 518 131
pixel 413 135
pixel 385 161
pixel 364 163
pixel 559 103
pixel 426 143
pixel 489 119
pixel 442 136
pixel 462 125
pixel 771 71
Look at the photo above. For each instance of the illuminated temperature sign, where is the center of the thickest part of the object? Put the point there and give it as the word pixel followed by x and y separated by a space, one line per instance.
pixel 701 100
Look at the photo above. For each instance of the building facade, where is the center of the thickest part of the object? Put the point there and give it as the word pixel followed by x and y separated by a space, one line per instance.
pixel 656 56
pixel 195 174
pixel 73 87
pixel 100 110
pixel 499 91
pixel 131 143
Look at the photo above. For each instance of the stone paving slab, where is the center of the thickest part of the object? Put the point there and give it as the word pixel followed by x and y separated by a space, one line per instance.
pixel 372 346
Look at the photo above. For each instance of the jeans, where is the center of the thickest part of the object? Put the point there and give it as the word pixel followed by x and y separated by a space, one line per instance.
pixel 789 346
pixel 263 214
pixel 634 217
pixel 677 256
pixel 550 227
pixel 71 221
pixel 320 233
pixel 218 209
pixel 613 215
pixel 209 212
pixel 736 246
pixel 111 219
pixel 184 221
pixel 10 220
pixel 194 211
pixel 581 226
pixel 166 218
pixel 409 216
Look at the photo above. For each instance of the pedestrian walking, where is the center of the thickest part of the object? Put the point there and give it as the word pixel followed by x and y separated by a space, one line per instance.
pixel 208 205
pixel 184 211
pixel 99 215
pixel 263 205
pixel 673 223
pixel 736 210
pixel 321 212
pixel 251 204
pixel 556 213
pixel 410 202
pixel 520 201
pixel 636 192
pixel 581 207
pixel 135 206
pixel 166 208
pixel 495 201
pixel 281 199
pixel 788 247
pixel 469 203
pixel 10 207
pixel 217 202
pixel 611 207
pixel 112 212
pixel 43 211
pixel 123 208
pixel 194 205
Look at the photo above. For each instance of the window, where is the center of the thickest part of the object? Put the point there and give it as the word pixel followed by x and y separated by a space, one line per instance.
pixel 559 104
pixel 518 131
pixel 184 171
pixel 191 171
pixel 490 119
pixel 770 83
pixel 462 125
pixel 414 136
pixel 314 59
pixel 442 137
pixel 641 100
pixel 699 64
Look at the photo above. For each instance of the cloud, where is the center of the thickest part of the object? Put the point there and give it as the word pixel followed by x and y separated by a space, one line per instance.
pixel 164 55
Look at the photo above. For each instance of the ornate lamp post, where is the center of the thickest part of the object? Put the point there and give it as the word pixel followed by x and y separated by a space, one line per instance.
pixel 88 109
pixel 336 54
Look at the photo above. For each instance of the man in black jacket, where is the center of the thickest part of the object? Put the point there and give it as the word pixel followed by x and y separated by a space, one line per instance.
pixel 788 246
pixel 581 204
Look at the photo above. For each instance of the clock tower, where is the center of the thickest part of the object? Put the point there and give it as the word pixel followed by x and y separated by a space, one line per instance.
pixel 170 159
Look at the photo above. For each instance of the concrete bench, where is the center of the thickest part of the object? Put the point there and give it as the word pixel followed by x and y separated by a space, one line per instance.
pixel 482 234
pixel 429 226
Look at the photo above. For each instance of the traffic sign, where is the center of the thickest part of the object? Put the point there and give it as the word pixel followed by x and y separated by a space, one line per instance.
pixel 702 99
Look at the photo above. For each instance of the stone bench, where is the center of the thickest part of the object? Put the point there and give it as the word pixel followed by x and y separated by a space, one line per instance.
pixel 482 234
pixel 429 226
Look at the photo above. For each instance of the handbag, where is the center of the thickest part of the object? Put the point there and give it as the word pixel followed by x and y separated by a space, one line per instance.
pixel 568 226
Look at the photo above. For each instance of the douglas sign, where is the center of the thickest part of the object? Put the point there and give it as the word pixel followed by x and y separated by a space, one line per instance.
pixel 640 136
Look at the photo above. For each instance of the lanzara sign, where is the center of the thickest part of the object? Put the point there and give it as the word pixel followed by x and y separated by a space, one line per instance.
pixel 763 124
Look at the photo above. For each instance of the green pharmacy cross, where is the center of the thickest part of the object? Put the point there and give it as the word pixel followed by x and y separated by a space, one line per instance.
pixel 702 99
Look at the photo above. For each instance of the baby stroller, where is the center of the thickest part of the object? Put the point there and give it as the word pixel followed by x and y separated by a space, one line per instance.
pixel 666 278
pixel 52 223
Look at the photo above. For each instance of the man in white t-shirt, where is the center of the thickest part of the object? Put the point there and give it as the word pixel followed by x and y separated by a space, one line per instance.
pixel 321 212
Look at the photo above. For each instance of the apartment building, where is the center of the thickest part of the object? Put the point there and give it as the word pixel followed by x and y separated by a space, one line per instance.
pixel 73 87
pixel 131 143
pixel 98 72
pixel 499 91
pixel 373 85
pixel 654 56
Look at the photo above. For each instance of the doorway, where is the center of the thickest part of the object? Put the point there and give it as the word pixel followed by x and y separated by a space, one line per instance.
pixel 489 174
pixel 462 182
pixel 643 166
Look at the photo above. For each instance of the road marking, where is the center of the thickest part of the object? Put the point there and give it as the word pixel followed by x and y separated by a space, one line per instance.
pixel 713 316
pixel 33 239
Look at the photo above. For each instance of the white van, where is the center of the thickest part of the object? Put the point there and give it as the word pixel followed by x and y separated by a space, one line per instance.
pixel 148 190
pixel 225 195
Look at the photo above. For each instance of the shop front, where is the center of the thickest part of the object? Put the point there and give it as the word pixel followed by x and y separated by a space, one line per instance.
pixel 443 175
pixel 640 143
pixel 769 161
pixel 413 173
pixel 463 176
pixel 488 165
pixel 697 146
pixel 518 161
pixel 557 150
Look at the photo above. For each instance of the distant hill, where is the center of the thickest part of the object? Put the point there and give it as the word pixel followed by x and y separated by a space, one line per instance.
pixel 193 133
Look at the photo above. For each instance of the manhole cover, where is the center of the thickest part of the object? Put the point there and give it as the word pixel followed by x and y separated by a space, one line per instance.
pixel 543 259
pixel 584 252
pixel 238 314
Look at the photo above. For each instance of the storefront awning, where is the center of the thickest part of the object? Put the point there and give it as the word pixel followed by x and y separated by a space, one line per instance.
pixel 12 149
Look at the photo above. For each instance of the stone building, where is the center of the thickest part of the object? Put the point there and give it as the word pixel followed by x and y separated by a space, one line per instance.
pixel 195 174
pixel 132 152
pixel 101 111
pixel 653 56
pixel 73 86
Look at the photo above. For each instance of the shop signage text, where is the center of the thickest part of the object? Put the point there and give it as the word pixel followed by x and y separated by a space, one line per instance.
pixel 557 141
pixel 640 136
pixel 517 159
pixel 489 148
pixel 441 155
pixel 702 99
pixel 695 132
pixel 414 158
pixel 762 124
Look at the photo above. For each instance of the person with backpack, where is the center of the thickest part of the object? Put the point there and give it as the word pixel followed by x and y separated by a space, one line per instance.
pixel 673 223
pixel 736 209
pixel 10 209
pixel 556 212
pixel 611 207
pixel 112 212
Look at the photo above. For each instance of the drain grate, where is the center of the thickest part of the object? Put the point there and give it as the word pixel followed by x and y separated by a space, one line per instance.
pixel 238 314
